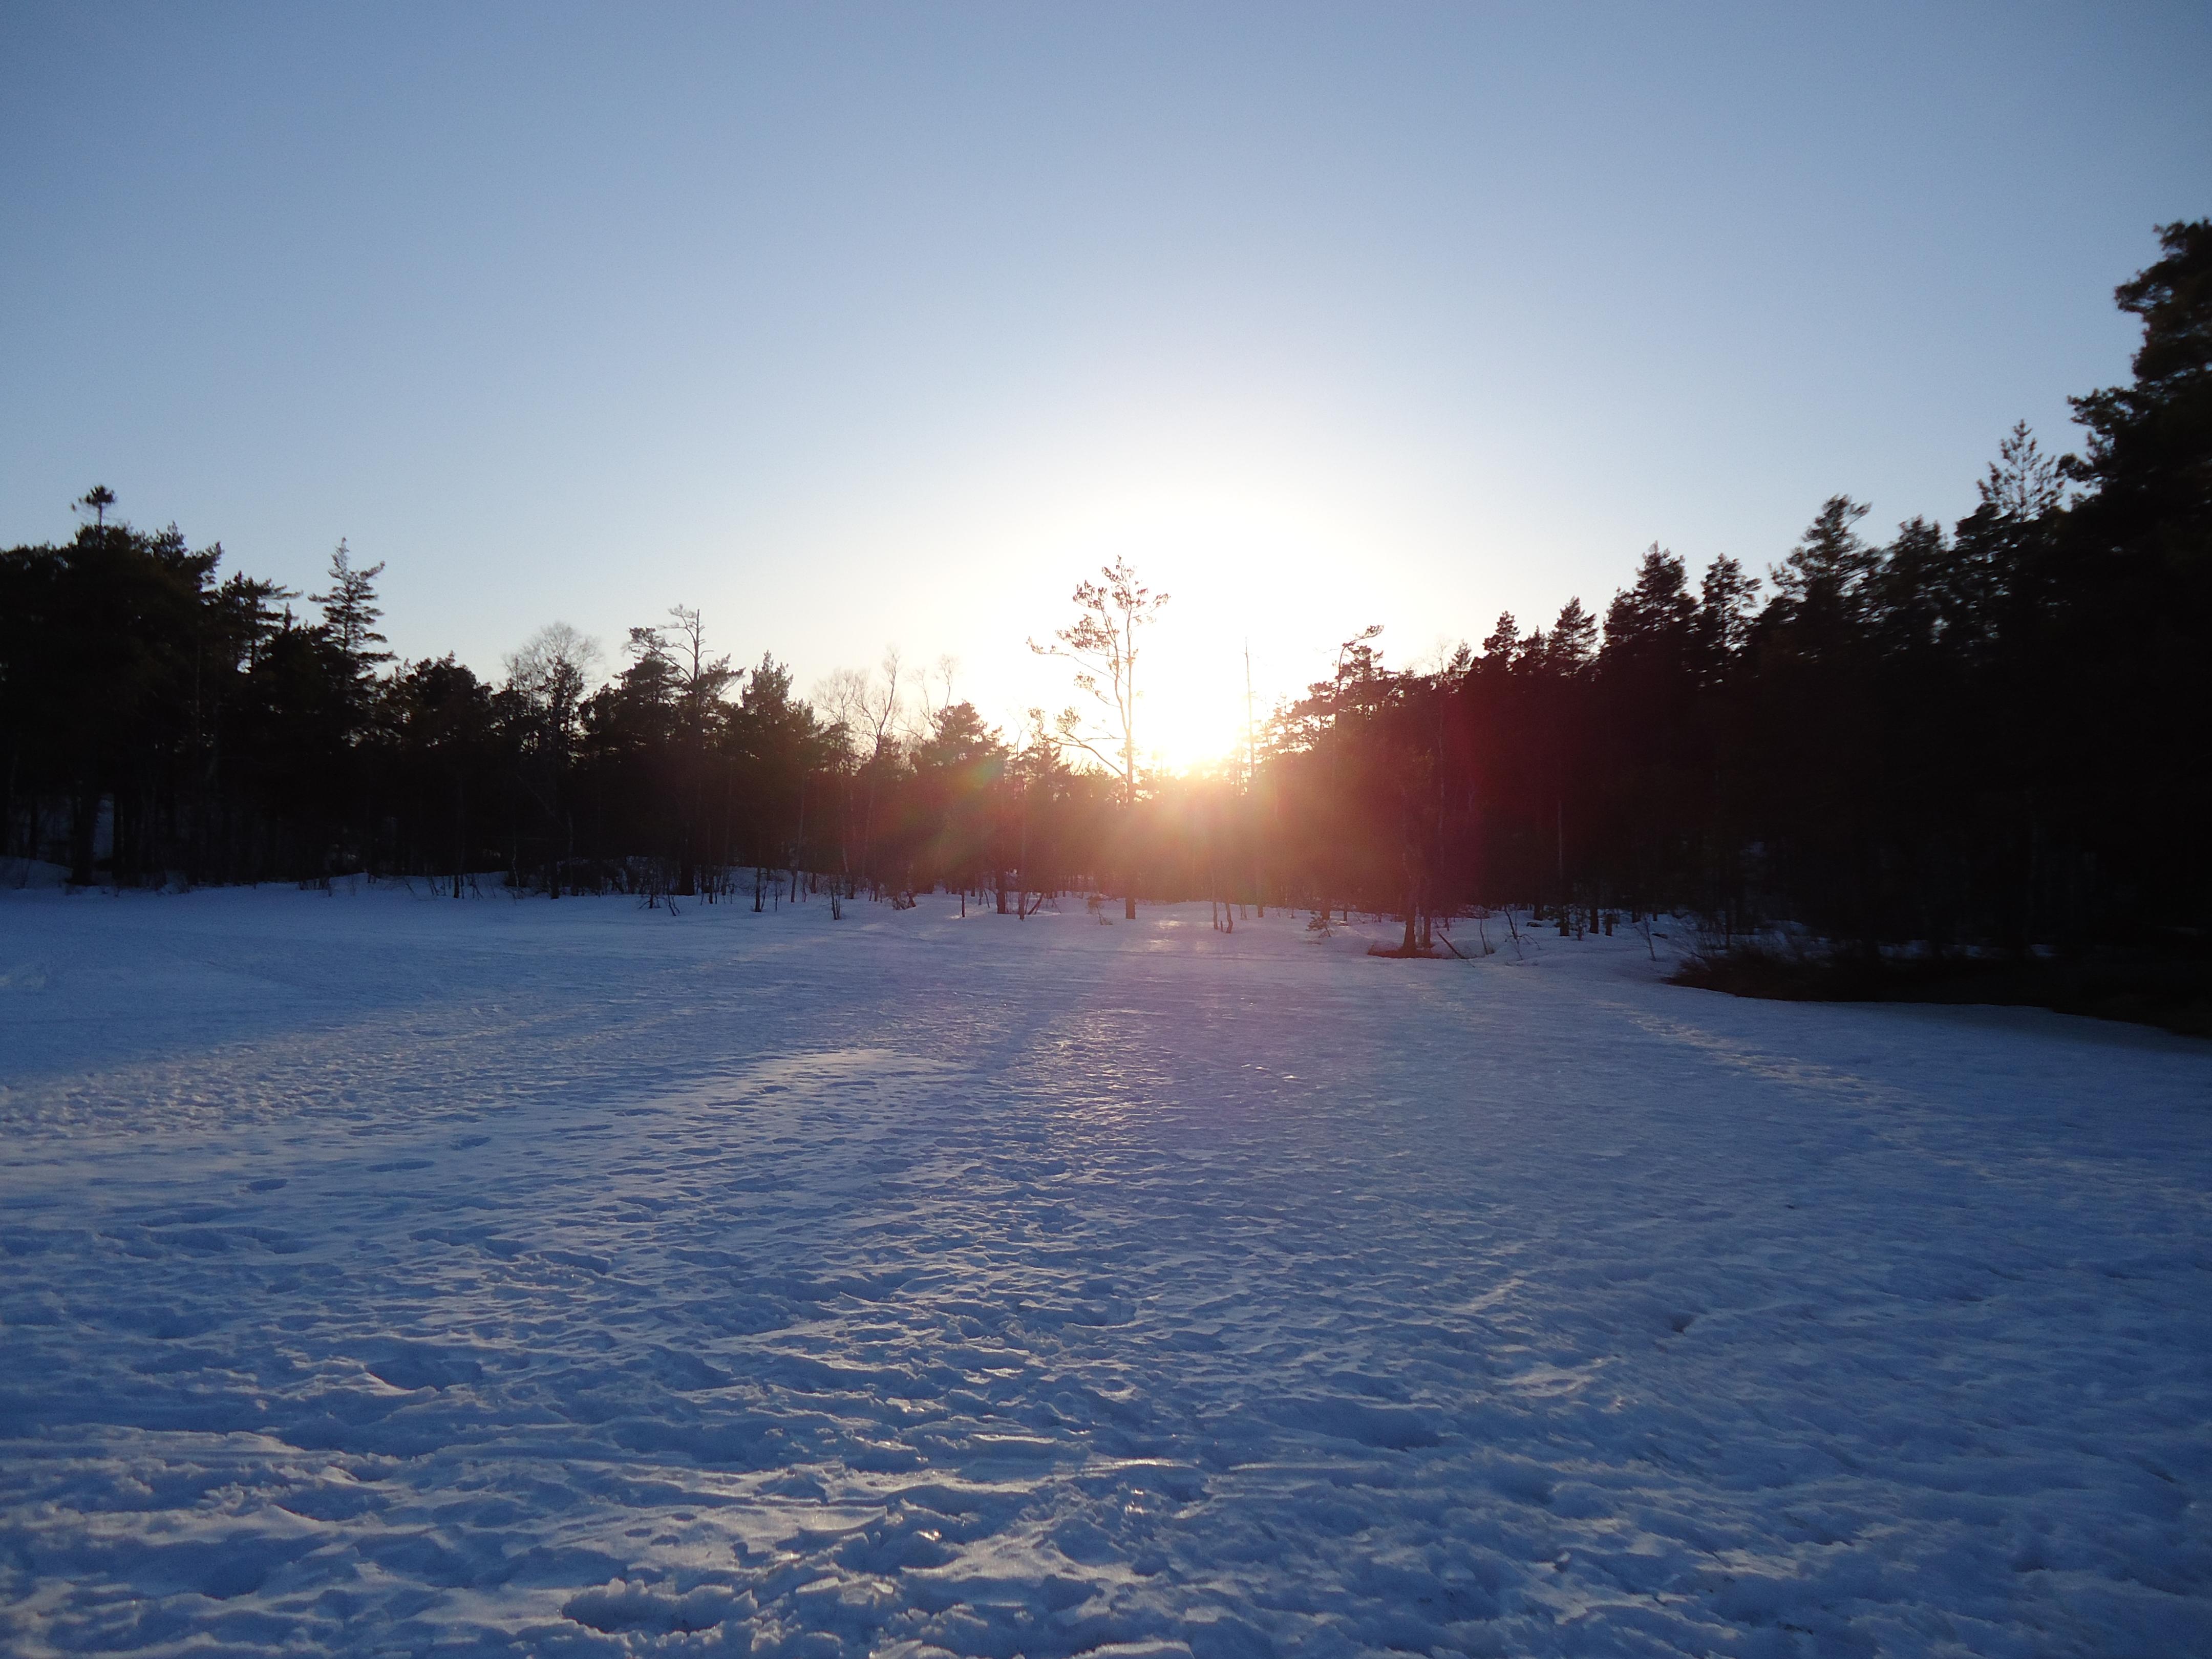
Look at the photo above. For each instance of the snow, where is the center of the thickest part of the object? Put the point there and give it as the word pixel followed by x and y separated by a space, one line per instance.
pixel 384 1273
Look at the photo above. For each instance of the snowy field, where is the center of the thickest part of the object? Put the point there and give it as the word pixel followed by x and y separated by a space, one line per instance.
pixel 384 1273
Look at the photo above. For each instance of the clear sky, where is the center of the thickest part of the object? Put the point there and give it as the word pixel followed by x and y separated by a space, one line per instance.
pixel 862 325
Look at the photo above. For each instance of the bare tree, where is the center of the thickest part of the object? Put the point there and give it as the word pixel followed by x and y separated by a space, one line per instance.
pixel 1102 643
pixel 552 672
pixel 942 672
pixel 884 702
pixel 872 709
pixel 549 678
pixel 839 694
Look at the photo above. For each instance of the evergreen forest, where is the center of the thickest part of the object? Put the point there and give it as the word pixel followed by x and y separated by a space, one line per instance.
pixel 1988 735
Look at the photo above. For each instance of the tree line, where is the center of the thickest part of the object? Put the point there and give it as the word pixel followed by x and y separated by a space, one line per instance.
pixel 1991 732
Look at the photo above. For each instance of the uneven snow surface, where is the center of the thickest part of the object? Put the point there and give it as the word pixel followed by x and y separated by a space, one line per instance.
pixel 381 1273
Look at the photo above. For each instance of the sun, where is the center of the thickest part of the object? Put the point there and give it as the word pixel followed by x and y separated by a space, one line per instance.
pixel 1242 559
pixel 1190 717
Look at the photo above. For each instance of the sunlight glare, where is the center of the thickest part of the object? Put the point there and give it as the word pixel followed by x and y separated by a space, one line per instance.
pixel 1243 570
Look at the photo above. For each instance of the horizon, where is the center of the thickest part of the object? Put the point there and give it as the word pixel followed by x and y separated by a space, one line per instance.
pixel 852 330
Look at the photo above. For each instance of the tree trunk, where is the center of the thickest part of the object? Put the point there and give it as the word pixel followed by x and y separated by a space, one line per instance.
pixel 84 816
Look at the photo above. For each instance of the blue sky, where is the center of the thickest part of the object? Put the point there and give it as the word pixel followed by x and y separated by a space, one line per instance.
pixel 854 325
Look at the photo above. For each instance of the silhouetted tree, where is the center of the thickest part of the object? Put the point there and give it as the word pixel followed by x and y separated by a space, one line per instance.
pixel 1992 733
pixel 1102 643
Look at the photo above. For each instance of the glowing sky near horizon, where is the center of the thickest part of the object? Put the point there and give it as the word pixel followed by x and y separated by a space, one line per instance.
pixel 862 325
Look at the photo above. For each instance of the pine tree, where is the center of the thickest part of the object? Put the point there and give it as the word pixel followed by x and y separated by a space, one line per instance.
pixel 1573 645
pixel 350 611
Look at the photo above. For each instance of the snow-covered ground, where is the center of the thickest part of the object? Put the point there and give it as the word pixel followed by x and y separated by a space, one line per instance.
pixel 390 1274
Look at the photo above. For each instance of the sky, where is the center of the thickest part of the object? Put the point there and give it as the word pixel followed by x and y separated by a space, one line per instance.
pixel 857 326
